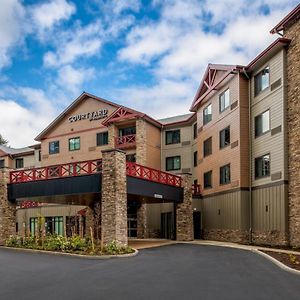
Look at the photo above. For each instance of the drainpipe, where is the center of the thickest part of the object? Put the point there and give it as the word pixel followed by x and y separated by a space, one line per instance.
pixel 250 157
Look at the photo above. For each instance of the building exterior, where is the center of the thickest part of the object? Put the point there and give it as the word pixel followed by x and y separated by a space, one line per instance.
pixel 239 145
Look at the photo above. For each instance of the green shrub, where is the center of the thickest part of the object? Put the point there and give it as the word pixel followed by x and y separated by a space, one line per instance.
pixel 114 248
pixel 77 243
pixel 13 241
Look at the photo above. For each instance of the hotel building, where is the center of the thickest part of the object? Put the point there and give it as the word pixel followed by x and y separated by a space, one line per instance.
pixel 234 160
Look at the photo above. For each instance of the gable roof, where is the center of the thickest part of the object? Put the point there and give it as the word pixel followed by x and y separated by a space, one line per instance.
pixel 83 96
pixel 267 53
pixel 289 17
pixel 13 151
pixel 178 120
pixel 208 82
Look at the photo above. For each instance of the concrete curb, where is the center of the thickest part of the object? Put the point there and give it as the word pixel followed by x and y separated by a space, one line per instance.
pixel 253 249
pixel 277 262
pixel 95 257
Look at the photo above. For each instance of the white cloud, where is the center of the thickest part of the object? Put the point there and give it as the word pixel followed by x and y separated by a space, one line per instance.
pixel 48 14
pixel 20 124
pixel 71 79
pixel 167 98
pixel 72 45
pixel 187 36
pixel 12 29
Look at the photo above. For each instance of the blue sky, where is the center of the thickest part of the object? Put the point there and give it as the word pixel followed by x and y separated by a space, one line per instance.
pixel 148 55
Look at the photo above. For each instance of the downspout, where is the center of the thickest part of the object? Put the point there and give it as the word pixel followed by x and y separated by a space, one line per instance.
pixel 250 156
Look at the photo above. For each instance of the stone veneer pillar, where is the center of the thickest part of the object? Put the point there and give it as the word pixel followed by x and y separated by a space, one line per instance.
pixel 141 149
pixel 7 209
pixel 89 221
pixel 184 212
pixel 111 135
pixel 293 125
pixel 142 221
pixel 114 197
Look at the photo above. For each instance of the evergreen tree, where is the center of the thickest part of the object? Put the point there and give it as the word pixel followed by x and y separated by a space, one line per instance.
pixel 2 140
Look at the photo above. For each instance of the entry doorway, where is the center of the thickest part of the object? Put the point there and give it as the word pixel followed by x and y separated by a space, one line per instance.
pixel 132 221
pixel 167 230
pixel 197 225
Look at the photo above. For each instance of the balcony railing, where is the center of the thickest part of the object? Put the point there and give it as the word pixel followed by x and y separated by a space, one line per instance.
pixel 95 166
pixel 57 171
pixel 139 171
pixel 125 141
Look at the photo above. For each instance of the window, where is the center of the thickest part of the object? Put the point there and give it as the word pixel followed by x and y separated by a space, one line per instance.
pixel 102 138
pixel 173 137
pixel 54 147
pixel 261 81
pixel 74 144
pixel 33 225
pixel 2 163
pixel 127 131
pixel 225 174
pixel 195 158
pixel 173 163
pixel 262 123
pixel 195 131
pixel 40 155
pixel 225 137
pixel 131 157
pixel 207 114
pixel 207 180
pixel 58 225
pixel 19 163
pixel 54 225
pixel 262 166
pixel 207 147
pixel 224 101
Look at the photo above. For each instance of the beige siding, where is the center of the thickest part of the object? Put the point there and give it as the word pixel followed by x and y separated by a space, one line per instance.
pixel 268 143
pixel 180 149
pixel 226 211
pixel 270 208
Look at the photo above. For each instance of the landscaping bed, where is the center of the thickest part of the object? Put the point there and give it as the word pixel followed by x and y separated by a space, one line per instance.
pixel 73 245
pixel 288 259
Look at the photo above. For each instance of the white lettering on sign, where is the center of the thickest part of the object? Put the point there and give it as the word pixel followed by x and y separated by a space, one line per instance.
pixel 92 116
pixel 158 196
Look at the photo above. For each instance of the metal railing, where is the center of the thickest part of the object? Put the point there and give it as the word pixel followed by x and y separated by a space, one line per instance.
pixel 57 171
pixel 139 171
pixel 125 141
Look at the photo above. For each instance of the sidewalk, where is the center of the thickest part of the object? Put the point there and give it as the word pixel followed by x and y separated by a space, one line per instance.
pixel 240 246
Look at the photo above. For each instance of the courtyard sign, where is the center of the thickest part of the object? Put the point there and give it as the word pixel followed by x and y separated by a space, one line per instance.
pixel 92 116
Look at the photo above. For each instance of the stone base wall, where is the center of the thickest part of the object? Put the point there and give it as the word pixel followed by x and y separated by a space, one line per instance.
pixel 270 238
pixel 226 235
pixel 7 209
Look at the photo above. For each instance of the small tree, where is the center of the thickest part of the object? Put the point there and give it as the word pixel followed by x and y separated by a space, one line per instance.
pixel 2 140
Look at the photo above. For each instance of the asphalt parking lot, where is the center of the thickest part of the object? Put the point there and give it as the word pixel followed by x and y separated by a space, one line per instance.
pixel 179 271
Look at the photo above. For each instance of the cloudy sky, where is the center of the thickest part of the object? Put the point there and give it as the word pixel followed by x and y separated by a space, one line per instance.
pixel 148 55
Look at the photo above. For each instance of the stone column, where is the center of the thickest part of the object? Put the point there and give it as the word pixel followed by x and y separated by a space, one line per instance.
pixel 142 221
pixel 184 212
pixel 114 197
pixel 111 135
pixel 7 209
pixel 293 126
pixel 89 221
pixel 141 149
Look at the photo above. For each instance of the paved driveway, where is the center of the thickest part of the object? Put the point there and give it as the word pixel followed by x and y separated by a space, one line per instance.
pixel 171 272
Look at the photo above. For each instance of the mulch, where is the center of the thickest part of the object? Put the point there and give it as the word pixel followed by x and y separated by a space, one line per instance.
pixel 290 260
